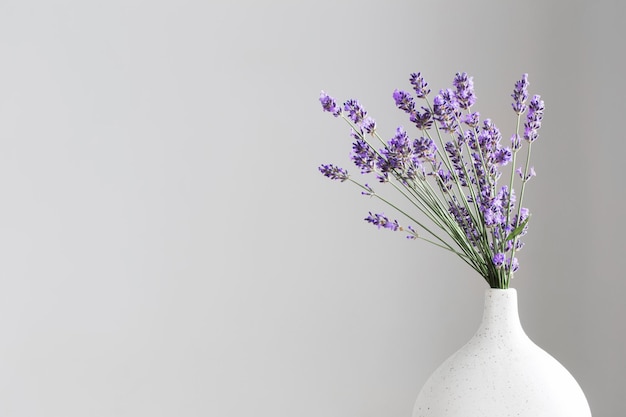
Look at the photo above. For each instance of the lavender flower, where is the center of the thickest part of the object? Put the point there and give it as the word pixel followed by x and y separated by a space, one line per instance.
pixel 533 119
pixel 334 172
pixel 498 259
pixel 464 90
pixel 468 136
pixel 445 110
pixel 356 135
pixel 404 101
pixel 423 121
pixel 465 221
pixel 383 169
pixel 395 158
pixel 505 198
pixel 524 213
pixel 329 104
pixel 503 156
pixel 398 150
pixel 380 220
pixel 471 119
pixel 415 170
pixel 495 210
pixel 492 215
pixel 355 111
pixel 481 178
pixel 363 156
pixel 456 158
pixel 425 149
pixel 369 125
pixel 489 138
pixel 419 85
pixel 444 180
pixel 520 95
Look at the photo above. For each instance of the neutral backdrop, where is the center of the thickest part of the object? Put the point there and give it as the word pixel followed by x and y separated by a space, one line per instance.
pixel 168 248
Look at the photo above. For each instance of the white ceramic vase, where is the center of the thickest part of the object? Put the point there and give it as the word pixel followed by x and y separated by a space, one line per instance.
pixel 500 372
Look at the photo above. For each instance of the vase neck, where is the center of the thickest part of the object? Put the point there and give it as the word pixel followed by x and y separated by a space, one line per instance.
pixel 500 314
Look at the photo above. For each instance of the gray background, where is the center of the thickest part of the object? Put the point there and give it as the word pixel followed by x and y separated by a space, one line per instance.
pixel 168 248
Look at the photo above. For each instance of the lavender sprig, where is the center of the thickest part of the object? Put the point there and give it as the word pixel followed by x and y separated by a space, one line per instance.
pixel 334 172
pixel 329 104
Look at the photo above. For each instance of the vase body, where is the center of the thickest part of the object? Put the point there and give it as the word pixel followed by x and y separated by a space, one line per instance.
pixel 500 372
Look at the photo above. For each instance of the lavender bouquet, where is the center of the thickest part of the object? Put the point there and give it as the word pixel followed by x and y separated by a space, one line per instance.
pixel 450 175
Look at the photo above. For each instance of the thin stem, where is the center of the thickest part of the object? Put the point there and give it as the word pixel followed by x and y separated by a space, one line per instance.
pixel 404 213
pixel 519 206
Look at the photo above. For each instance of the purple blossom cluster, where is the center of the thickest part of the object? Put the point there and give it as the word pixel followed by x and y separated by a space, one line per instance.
pixel 329 104
pixel 419 85
pixel 533 119
pixel 364 156
pixel 464 93
pixel 457 155
pixel 464 219
pixel 520 95
pixel 396 157
pixel 334 172
pixel 446 110
pixel 380 220
pixel 355 112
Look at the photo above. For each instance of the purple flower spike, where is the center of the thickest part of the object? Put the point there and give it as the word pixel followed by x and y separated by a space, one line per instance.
pixel 423 121
pixel 356 112
pixel 396 155
pixel 503 156
pixel 329 104
pixel 445 110
pixel 471 119
pixel 419 85
pixel 464 90
pixel 457 162
pixel 363 156
pixel 369 125
pixel 334 172
pixel 404 101
pixel 464 219
pixel 520 95
pixel 380 220
pixel 425 148
pixel 498 259
pixel 533 119
pixel 444 179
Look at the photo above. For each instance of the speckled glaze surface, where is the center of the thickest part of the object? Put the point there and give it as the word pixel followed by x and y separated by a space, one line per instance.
pixel 500 372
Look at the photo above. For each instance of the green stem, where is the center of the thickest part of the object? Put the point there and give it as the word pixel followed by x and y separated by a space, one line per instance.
pixel 519 206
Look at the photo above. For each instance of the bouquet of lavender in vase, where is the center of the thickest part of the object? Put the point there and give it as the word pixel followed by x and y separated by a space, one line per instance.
pixel 450 185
